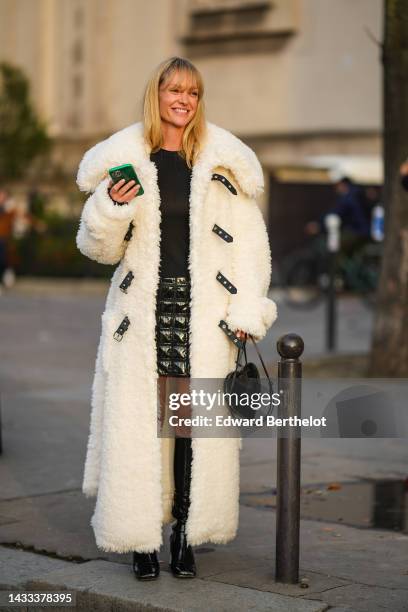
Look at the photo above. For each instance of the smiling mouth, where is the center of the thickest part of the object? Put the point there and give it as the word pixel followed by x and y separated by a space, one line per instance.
pixel 180 111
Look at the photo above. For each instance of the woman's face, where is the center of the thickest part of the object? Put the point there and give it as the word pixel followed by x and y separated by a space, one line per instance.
pixel 178 99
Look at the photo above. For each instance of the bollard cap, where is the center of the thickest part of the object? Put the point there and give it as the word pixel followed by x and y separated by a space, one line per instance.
pixel 290 346
pixel 332 221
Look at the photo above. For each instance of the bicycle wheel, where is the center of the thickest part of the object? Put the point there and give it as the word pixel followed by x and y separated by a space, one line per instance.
pixel 302 277
pixel 367 272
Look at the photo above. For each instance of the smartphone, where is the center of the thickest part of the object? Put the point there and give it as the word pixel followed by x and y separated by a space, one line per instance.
pixel 127 172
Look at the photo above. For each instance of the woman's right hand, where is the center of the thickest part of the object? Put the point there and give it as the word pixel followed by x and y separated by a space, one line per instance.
pixel 120 191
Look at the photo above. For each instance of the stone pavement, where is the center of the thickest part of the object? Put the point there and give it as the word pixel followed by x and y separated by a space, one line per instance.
pixel 46 542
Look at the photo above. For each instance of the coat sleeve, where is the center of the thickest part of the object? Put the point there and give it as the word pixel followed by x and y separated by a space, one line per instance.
pixel 250 310
pixel 103 226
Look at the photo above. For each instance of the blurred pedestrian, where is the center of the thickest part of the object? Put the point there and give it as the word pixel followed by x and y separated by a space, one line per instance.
pixel 355 225
pixel 7 220
pixel 404 174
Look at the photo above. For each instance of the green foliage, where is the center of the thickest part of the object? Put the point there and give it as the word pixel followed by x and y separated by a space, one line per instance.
pixel 54 252
pixel 23 136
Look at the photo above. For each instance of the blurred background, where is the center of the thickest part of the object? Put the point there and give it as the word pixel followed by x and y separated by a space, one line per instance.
pixel 298 80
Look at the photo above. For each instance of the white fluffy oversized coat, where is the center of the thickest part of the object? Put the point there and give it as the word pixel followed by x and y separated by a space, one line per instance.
pixel 125 464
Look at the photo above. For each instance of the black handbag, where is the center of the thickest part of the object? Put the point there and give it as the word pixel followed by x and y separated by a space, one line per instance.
pixel 243 382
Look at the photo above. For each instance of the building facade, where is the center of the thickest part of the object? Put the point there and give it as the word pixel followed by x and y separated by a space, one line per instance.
pixel 298 80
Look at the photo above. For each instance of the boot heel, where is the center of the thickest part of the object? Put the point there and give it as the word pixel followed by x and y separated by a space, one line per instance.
pixel 182 563
pixel 146 566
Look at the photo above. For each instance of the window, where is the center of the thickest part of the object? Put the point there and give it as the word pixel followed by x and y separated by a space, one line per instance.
pixel 224 25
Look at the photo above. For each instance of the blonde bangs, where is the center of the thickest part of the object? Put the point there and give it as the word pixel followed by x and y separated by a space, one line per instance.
pixel 195 132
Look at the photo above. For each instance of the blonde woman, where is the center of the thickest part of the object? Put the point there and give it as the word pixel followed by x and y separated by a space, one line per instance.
pixel 194 257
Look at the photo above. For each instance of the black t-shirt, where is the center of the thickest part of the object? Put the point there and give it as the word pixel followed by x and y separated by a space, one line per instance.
pixel 174 178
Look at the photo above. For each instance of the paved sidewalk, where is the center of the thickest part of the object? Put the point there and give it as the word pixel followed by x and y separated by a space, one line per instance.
pixel 103 585
pixel 46 366
pixel 345 568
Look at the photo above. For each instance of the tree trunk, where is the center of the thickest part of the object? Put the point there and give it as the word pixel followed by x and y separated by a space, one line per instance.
pixel 389 354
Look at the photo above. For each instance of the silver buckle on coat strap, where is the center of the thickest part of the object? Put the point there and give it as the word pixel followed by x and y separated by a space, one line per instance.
pixel 118 335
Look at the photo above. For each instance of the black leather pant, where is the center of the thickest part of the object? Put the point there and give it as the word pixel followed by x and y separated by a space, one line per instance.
pixel 172 326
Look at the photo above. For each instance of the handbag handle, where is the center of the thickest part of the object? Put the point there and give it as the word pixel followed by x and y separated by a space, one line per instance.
pixel 242 348
pixel 238 361
pixel 260 357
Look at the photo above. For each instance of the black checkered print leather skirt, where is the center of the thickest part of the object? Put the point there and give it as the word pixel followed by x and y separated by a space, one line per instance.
pixel 172 326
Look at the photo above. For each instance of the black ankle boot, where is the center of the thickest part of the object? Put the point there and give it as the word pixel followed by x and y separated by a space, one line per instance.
pixel 146 565
pixel 181 554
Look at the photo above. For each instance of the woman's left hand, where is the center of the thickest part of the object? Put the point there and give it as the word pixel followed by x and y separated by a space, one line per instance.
pixel 241 334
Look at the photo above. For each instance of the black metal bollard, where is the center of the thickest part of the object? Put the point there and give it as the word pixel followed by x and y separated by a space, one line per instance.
pixel 333 224
pixel 290 347
pixel 331 306
pixel 1 432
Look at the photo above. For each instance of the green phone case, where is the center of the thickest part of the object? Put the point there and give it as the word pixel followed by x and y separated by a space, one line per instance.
pixel 127 172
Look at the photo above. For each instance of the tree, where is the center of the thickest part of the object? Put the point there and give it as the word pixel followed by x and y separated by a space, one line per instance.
pixel 389 354
pixel 22 135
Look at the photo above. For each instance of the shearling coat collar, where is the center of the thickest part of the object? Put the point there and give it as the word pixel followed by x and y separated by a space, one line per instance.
pixel 221 148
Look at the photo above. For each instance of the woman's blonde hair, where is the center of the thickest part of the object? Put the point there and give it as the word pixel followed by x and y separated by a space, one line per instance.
pixel 195 131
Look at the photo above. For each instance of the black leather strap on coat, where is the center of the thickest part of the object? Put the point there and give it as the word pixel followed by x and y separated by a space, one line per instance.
pixel 118 335
pixel 129 233
pixel 222 233
pixel 125 284
pixel 231 335
pixel 226 283
pixel 224 181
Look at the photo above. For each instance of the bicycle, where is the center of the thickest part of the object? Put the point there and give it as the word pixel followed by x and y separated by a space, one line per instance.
pixel 305 273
